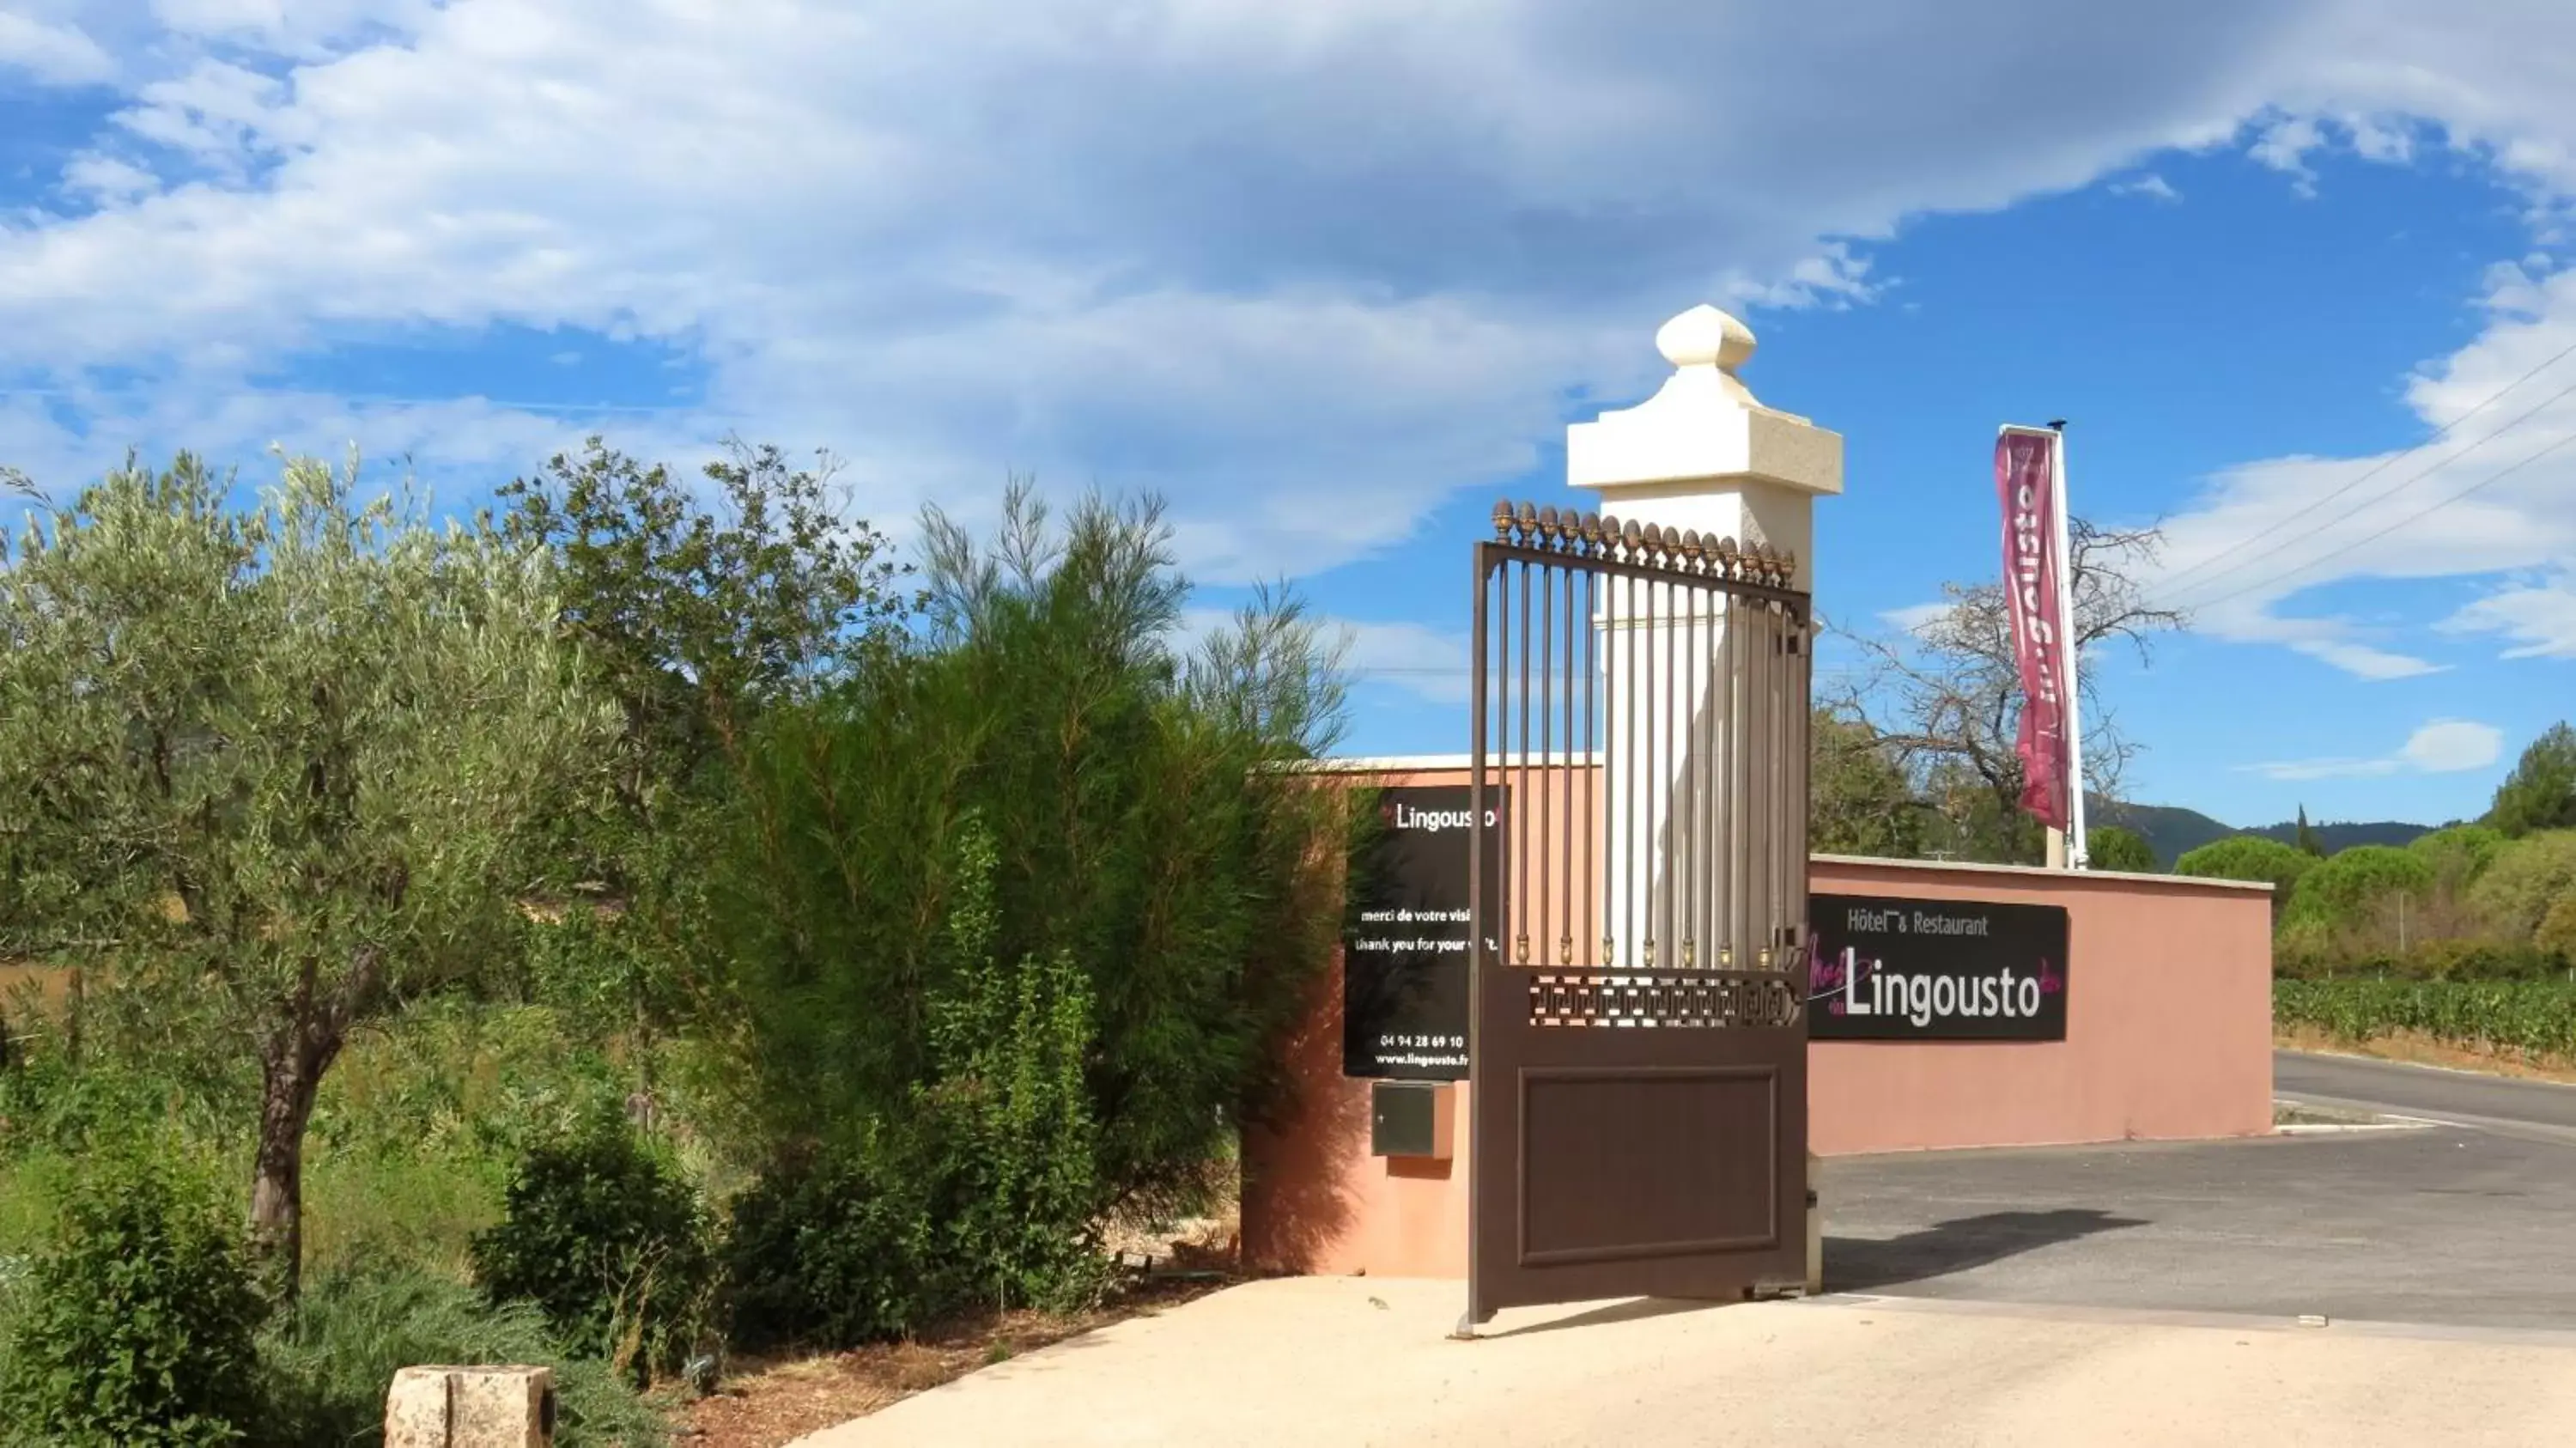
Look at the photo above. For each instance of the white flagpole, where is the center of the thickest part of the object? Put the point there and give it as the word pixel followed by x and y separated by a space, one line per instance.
pixel 2076 858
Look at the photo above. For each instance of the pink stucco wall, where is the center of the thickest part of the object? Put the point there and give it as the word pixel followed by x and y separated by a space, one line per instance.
pixel 2168 1037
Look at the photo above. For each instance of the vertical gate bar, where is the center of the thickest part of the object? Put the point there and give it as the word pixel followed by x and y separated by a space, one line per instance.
pixel 1757 719
pixel 1694 887
pixel 1740 772
pixel 1768 784
pixel 1665 782
pixel 1703 947
pixel 1546 833
pixel 1722 808
pixel 1596 765
pixel 1502 724
pixel 1519 896
pixel 1709 600
pixel 1657 867
pixel 1803 726
pixel 1565 774
pixel 1479 968
pixel 1781 802
pixel 1623 662
pixel 1645 817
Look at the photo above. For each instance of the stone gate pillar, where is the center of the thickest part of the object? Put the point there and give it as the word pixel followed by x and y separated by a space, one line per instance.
pixel 1700 455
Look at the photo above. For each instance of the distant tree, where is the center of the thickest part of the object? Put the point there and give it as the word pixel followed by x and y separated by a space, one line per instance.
pixel 2527 879
pixel 2250 857
pixel 1860 802
pixel 2540 794
pixel 2113 848
pixel 2459 854
pixel 271 763
pixel 1946 698
pixel 697 606
pixel 2306 839
pixel 2348 888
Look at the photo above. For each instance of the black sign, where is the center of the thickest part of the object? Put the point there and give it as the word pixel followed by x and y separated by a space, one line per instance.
pixel 1404 944
pixel 1887 969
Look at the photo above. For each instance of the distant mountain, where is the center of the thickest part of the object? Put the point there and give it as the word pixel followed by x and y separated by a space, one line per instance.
pixel 2331 838
pixel 2170 830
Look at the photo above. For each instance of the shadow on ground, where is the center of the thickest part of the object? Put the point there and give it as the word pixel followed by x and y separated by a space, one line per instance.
pixel 1860 1264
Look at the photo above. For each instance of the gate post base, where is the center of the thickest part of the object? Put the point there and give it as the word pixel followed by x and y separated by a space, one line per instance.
pixel 1815 1231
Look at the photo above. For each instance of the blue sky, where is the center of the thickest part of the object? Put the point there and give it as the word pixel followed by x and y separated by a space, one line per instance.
pixel 1332 277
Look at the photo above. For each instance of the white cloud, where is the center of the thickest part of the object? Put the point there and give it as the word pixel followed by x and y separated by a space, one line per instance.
pixel 55 53
pixel 2151 186
pixel 2453 746
pixel 2496 494
pixel 1914 618
pixel 2539 618
pixel 1306 269
pixel 106 180
pixel 2445 746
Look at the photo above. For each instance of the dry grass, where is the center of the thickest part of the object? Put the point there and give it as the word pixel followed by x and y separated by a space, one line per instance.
pixel 2415 1048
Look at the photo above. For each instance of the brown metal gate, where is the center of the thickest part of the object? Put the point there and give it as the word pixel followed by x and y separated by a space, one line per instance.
pixel 1639 886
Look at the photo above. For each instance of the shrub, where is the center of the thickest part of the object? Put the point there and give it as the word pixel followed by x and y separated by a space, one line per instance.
pixel 829 1250
pixel 137 1323
pixel 604 1235
pixel 1008 1129
pixel 330 1359
pixel 2110 847
pixel 983 1193
pixel 2431 960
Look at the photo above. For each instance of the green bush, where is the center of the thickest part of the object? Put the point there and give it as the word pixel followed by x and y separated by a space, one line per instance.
pixel 2432 960
pixel 2110 847
pixel 137 1324
pixel 605 1236
pixel 829 1250
pixel 983 1193
pixel 330 1359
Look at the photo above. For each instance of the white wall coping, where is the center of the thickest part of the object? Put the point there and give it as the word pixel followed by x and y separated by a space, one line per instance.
pixel 1875 862
pixel 1435 763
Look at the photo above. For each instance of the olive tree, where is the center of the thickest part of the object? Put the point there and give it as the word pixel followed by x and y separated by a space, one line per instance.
pixel 270 761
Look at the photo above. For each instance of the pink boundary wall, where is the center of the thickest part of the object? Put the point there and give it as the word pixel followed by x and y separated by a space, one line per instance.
pixel 2168 1037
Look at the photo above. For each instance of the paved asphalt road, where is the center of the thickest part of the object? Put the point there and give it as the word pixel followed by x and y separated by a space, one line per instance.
pixel 2470 1224
pixel 2541 1110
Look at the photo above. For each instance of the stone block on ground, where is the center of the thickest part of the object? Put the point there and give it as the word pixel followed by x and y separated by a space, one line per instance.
pixel 470 1407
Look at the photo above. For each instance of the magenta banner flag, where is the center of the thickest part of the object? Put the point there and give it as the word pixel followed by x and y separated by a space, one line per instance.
pixel 2026 480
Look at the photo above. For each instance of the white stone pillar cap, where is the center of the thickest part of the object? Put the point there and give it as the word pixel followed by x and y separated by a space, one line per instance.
pixel 1704 425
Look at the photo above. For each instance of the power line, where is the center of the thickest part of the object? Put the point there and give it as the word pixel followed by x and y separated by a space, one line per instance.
pixel 2390 462
pixel 2498 475
pixel 2427 471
